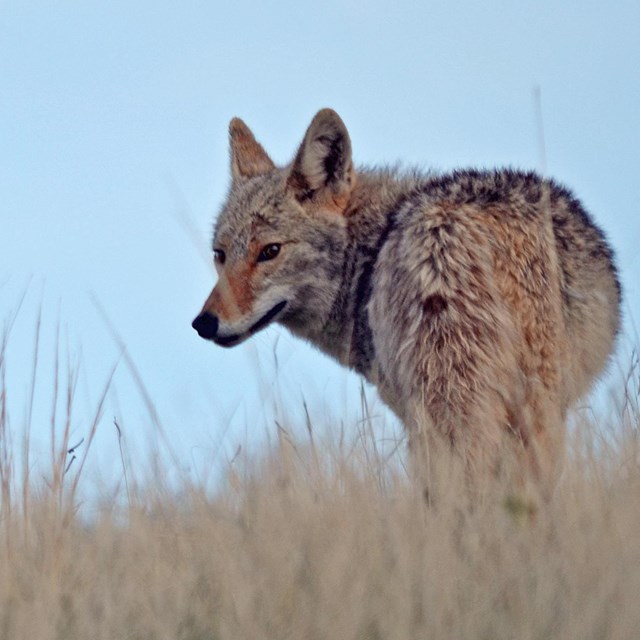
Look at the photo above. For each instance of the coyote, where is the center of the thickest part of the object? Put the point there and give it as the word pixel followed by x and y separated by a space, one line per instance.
pixel 482 304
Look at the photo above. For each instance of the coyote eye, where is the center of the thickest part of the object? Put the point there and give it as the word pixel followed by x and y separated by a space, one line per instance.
pixel 269 252
pixel 218 256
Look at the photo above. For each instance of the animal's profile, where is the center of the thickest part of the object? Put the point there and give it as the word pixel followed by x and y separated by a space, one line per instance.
pixel 482 304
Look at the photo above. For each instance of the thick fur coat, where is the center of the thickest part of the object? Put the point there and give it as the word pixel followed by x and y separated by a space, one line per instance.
pixel 482 304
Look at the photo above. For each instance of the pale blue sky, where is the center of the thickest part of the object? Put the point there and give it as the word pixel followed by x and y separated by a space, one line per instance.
pixel 113 125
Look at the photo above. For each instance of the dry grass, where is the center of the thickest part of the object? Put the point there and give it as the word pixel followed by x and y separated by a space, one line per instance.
pixel 314 542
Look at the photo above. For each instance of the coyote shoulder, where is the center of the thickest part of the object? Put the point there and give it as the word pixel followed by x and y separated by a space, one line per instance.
pixel 482 304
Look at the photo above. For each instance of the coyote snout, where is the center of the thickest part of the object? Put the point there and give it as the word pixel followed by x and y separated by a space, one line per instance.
pixel 207 326
pixel 482 304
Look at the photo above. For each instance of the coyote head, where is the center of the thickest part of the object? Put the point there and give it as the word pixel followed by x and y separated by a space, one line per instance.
pixel 280 238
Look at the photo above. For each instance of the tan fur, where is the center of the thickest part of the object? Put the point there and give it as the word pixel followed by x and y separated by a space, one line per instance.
pixel 247 156
pixel 233 297
pixel 482 304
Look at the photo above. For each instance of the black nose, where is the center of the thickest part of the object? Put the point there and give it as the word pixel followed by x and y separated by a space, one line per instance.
pixel 206 325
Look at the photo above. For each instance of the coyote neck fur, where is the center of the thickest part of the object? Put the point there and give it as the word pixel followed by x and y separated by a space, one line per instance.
pixel 371 215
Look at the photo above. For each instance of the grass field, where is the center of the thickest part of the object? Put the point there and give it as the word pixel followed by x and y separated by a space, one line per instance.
pixel 324 541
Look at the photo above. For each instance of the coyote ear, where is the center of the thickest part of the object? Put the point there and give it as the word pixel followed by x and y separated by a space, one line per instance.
pixel 248 158
pixel 322 168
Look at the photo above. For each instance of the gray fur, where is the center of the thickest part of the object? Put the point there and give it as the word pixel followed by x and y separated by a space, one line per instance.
pixel 481 303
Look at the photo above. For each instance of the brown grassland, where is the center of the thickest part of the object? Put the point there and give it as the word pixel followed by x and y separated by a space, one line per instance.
pixel 316 541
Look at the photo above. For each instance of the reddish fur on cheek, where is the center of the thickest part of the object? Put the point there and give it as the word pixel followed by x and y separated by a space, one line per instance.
pixel 241 289
pixel 233 296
